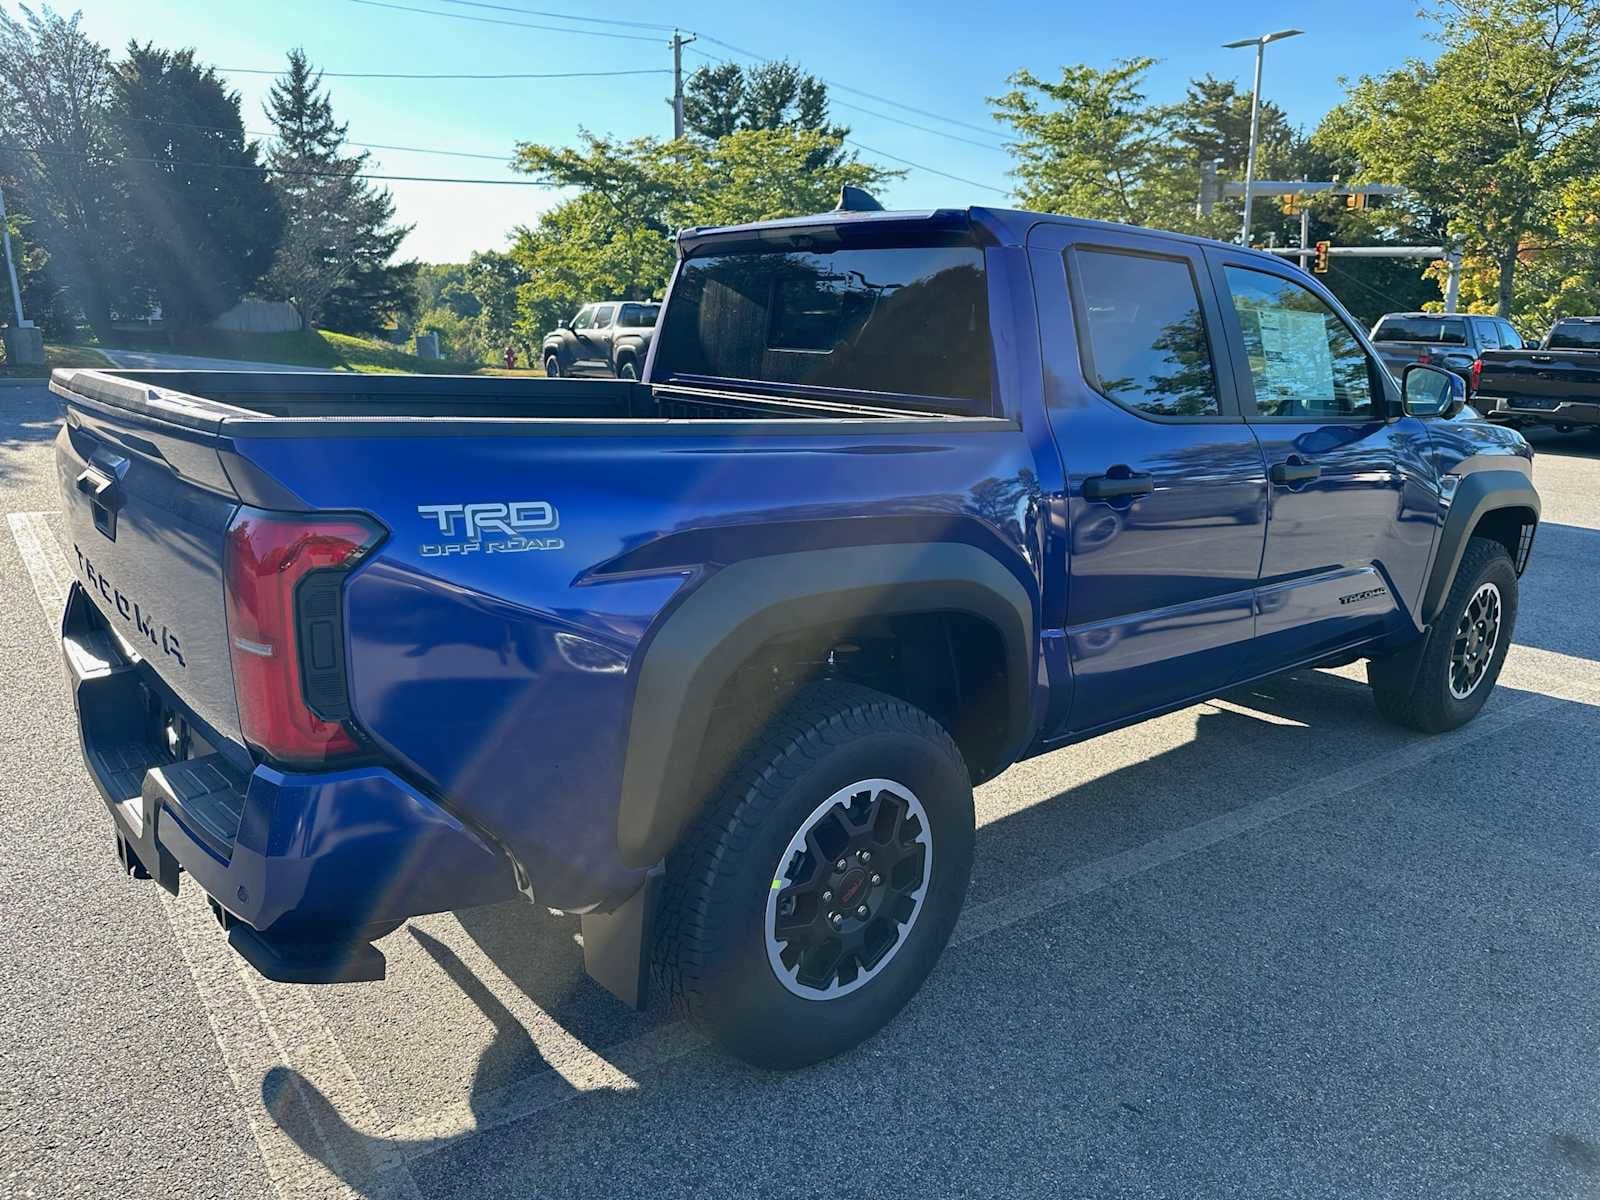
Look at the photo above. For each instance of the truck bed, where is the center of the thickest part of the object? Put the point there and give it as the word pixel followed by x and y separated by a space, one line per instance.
pixel 206 399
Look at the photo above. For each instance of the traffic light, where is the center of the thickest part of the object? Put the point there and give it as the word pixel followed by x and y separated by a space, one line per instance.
pixel 1291 204
pixel 1319 264
pixel 1356 200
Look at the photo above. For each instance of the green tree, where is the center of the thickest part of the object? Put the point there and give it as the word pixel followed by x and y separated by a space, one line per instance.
pixel 336 260
pixel 614 238
pixel 59 149
pixel 725 98
pixel 201 212
pixel 1494 131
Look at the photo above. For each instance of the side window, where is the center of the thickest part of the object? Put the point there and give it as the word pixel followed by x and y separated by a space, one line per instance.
pixel 1141 323
pixel 630 316
pixel 1488 334
pixel 603 315
pixel 1510 339
pixel 585 317
pixel 1304 360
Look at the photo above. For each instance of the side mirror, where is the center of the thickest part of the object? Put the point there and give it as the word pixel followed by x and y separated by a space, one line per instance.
pixel 1431 391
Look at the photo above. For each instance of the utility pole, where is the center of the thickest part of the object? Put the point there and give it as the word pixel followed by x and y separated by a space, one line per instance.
pixel 11 267
pixel 677 43
pixel 1260 43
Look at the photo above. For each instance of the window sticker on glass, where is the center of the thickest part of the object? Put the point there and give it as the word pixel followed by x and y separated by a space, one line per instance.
pixel 1294 353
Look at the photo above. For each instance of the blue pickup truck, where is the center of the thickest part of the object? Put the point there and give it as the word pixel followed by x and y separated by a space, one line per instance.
pixel 712 659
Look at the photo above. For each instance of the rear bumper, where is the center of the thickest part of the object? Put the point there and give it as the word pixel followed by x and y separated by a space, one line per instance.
pixel 1561 412
pixel 297 864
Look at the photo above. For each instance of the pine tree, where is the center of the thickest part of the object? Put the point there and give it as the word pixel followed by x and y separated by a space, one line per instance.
pixel 336 262
pixel 201 213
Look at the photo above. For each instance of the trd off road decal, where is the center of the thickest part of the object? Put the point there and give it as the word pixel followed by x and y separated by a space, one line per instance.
pixel 511 527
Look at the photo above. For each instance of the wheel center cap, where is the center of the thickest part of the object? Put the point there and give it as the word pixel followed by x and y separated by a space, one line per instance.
pixel 851 888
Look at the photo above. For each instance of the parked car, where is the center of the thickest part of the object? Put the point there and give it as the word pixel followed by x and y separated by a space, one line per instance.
pixel 1558 383
pixel 611 338
pixel 714 659
pixel 1451 340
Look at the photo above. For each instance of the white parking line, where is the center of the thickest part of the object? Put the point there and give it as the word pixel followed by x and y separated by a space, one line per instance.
pixel 260 1025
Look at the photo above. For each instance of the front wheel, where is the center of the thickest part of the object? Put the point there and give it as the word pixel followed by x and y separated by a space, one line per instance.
pixel 1442 684
pixel 552 366
pixel 627 370
pixel 820 886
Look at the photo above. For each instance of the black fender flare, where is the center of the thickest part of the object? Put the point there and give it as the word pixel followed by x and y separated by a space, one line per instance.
pixel 727 618
pixel 1479 491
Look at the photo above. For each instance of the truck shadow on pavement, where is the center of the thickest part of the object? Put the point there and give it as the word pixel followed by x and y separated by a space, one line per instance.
pixel 1244 984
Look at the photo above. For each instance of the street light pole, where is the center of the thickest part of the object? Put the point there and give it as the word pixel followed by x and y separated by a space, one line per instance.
pixel 1260 43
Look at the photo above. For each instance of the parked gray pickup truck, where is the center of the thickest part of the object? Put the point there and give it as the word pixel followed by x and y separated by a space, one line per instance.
pixel 609 338
pixel 1556 383
pixel 1453 341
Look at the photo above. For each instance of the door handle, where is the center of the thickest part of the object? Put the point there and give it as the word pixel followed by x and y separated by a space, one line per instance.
pixel 1542 357
pixel 1111 487
pixel 1293 472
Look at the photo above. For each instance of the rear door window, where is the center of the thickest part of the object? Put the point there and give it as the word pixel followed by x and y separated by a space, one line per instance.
pixel 1488 334
pixel 909 321
pixel 1146 338
pixel 603 315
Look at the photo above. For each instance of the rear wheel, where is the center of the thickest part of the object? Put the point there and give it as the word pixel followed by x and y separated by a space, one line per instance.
pixel 552 366
pixel 823 881
pixel 626 369
pixel 1443 683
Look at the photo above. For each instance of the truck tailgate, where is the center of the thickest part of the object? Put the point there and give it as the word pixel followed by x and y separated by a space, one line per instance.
pixel 148 505
pixel 1541 378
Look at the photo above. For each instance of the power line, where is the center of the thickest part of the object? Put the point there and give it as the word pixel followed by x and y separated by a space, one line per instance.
pixel 433 12
pixel 955 137
pixel 921 112
pixel 451 75
pixel 923 167
pixel 176 162
pixel 265 133
pixel 561 16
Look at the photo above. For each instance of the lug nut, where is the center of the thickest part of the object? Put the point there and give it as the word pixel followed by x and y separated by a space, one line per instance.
pixel 864 855
pixel 861 910
pixel 841 864
pixel 827 896
pixel 876 879
pixel 836 918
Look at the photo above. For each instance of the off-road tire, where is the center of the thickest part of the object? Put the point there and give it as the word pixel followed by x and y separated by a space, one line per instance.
pixel 552 366
pixel 711 956
pixel 1413 688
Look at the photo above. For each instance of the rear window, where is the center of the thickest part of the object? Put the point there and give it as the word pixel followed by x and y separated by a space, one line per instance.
pixel 1574 336
pixel 1444 331
pixel 637 315
pixel 907 321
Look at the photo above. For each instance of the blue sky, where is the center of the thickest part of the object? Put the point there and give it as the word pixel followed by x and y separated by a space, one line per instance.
pixel 939 56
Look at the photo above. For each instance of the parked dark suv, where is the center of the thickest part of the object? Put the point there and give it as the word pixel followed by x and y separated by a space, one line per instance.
pixel 1453 341
pixel 609 338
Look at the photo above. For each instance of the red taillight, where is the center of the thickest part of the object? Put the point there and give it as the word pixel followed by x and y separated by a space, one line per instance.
pixel 1424 358
pixel 268 556
pixel 1474 377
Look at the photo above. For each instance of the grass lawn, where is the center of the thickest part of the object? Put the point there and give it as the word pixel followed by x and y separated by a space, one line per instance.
pixel 55 355
pixel 307 348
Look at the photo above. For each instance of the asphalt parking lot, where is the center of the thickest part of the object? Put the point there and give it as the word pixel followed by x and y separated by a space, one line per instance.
pixel 1267 946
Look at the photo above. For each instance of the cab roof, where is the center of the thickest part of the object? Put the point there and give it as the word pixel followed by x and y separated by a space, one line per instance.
pixel 980 225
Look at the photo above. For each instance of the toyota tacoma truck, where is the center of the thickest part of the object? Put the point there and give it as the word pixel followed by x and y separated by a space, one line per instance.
pixel 712 659
pixel 1556 383
pixel 610 339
